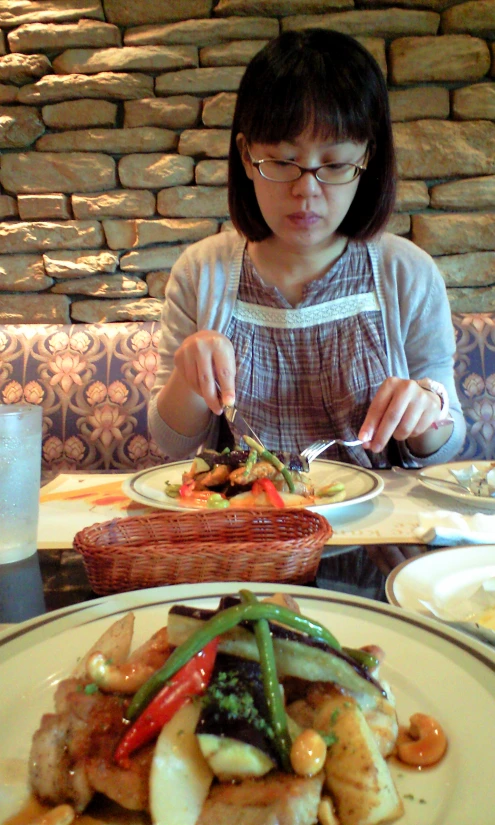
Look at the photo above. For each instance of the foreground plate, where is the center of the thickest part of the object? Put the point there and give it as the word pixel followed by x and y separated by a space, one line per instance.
pixel 442 472
pixel 432 669
pixel 148 486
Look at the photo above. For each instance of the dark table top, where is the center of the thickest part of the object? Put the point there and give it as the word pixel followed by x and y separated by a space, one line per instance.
pixel 52 579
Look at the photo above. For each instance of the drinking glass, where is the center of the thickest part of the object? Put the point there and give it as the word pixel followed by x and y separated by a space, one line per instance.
pixel 20 472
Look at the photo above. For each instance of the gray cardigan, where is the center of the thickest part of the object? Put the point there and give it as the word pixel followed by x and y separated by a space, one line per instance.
pixel 202 291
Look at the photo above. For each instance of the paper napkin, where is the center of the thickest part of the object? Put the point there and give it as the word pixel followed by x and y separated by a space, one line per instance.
pixel 442 527
pixel 474 612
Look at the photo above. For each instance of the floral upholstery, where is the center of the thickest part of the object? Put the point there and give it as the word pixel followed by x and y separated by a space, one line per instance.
pixel 475 380
pixel 93 382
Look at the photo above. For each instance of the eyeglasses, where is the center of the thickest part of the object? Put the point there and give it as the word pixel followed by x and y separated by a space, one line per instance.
pixel 287 171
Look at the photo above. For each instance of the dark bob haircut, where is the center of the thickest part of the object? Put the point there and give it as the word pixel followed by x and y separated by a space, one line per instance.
pixel 326 81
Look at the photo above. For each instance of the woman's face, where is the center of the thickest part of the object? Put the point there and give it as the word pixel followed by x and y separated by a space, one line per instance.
pixel 303 214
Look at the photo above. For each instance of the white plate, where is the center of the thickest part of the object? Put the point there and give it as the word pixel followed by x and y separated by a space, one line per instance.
pixel 148 486
pixel 443 576
pixel 431 668
pixel 441 472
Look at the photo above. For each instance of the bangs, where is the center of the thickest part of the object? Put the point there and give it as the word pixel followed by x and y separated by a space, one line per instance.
pixel 311 91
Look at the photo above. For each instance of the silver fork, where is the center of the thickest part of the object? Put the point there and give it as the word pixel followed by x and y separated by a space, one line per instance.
pixel 319 446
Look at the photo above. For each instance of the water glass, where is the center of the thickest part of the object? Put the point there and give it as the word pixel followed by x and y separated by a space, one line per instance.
pixel 20 472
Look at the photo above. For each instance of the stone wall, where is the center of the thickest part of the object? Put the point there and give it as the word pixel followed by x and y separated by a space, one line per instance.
pixel 114 132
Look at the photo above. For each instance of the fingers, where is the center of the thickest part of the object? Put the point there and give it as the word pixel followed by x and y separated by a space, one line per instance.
pixel 384 415
pixel 400 409
pixel 206 361
pixel 226 386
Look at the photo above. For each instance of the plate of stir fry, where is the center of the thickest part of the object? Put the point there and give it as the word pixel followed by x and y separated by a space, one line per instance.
pixel 252 478
pixel 223 704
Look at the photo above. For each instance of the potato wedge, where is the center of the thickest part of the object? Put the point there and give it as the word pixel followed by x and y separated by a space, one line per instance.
pixel 114 643
pixel 357 775
pixel 180 776
pixel 326 812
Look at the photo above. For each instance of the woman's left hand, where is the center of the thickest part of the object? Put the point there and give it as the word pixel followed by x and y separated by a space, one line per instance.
pixel 401 409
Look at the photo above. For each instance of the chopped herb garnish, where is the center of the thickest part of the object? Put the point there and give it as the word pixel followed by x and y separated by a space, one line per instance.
pixel 234 700
pixel 329 738
pixel 91 688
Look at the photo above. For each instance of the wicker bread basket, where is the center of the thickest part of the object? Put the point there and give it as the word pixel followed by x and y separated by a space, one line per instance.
pixel 175 548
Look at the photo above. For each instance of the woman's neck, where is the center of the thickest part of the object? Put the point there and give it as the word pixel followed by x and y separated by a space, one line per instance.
pixel 290 270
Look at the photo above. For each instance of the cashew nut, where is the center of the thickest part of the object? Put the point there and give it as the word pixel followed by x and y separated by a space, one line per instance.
pixel 308 753
pixel 424 743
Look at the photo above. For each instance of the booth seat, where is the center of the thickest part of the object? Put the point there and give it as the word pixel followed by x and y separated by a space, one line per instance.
pixel 94 380
pixel 475 381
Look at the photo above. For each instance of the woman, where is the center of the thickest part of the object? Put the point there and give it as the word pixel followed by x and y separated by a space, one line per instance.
pixel 314 321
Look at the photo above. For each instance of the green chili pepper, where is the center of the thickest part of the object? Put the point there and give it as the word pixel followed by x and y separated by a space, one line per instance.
pixel 217 502
pixel 273 460
pixel 172 490
pixel 331 489
pixel 273 695
pixel 251 461
pixel 220 623
pixel 254 444
pixel 362 657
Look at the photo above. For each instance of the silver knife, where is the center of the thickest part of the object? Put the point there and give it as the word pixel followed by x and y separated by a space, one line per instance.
pixel 439 482
pixel 444 482
pixel 233 415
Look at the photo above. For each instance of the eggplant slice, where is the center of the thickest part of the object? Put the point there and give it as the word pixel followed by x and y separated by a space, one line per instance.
pixel 296 654
pixel 233 729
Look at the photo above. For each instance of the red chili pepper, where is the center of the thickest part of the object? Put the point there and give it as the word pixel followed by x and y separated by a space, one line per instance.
pixel 202 495
pixel 271 491
pixel 191 680
pixel 187 489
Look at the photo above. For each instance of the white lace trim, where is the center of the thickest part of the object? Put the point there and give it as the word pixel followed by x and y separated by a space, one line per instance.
pixel 312 316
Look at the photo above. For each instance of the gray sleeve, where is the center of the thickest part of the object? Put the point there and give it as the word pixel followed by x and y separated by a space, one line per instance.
pixel 178 320
pixel 430 346
pixel 175 445
pixel 200 294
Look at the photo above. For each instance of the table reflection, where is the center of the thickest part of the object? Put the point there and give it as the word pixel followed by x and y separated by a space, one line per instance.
pixel 362 570
pixel 52 579
pixel 21 590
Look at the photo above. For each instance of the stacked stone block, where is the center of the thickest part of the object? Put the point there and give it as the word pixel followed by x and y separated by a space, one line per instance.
pixel 115 124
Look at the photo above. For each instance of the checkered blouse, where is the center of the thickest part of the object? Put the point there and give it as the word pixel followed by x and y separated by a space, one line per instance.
pixel 310 371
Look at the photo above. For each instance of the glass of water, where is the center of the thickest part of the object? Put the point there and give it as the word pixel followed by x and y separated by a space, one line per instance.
pixel 20 472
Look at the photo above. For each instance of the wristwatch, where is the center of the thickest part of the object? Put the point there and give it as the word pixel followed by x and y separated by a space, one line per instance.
pixel 434 386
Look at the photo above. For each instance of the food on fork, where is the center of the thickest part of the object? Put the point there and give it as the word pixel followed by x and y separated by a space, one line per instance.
pixel 253 713
pixel 249 478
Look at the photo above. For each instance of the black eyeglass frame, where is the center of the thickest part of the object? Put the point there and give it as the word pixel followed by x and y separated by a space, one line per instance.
pixel 358 170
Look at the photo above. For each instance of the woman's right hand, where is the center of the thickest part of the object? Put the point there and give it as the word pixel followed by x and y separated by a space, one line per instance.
pixel 204 358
